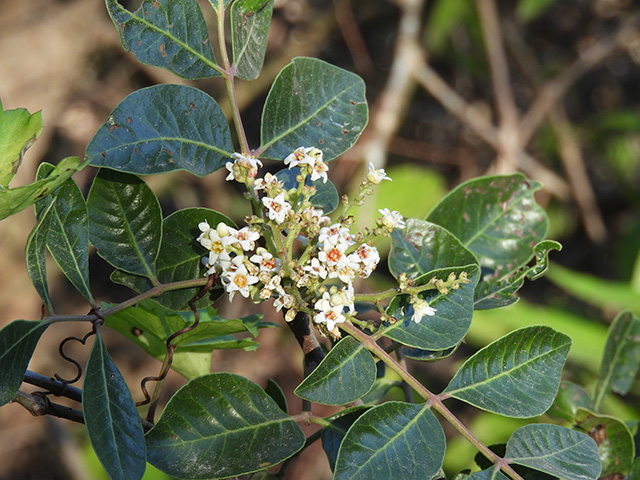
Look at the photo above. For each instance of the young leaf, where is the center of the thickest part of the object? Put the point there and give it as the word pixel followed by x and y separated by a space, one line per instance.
pixel 125 222
pixel 555 450
pixel 451 321
pixel 614 441
pixel 517 375
pixel 250 21
pixel 313 104
pixel 163 128
pixel 17 199
pixel 19 129
pixel 326 197
pixel 344 375
pixel 17 342
pixel 570 397
pixel 392 441
pixel 111 417
pixel 35 254
pixel 496 217
pixel 621 358
pixel 334 433
pixel 170 34
pixel 221 425
pixel 422 247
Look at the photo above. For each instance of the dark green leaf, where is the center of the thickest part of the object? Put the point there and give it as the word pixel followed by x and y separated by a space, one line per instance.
pixel 497 218
pixel 427 355
pixel 344 375
pixel 334 433
pixel 451 321
pixel 17 342
pixel 313 104
pixel 614 441
pixel 125 222
pixel 275 392
pixel 555 450
pixel 163 128
pixel 326 197
pixel 250 21
pixel 392 441
pixel 35 253
pixel 488 474
pixel 517 375
pixel 221 425
pixel 111 417
pixel 171 34
pixel 570 397
pixel 621 358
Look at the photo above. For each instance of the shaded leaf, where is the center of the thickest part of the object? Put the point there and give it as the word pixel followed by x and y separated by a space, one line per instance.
pixel 125 222
pixel 171 34
pixel 35 254
pixel 334 433
pixel 392 441
pixel 517 375
pixel 326 197
pixel 111 417
pixel 555 450
pixel 428 355
pixel 274 391
pixel 313 104
pixel 344 375
pixel 163 128
pixel 488 474
pixel 17 342
pixel 570 397
pixel 221 425
pixel 250 21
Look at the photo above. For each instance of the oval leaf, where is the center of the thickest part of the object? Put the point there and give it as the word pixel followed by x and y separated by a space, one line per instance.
pixel 111 417
pixel 250 21
pixel 518 375
pixel 35 254
pixel 392 441
pixel 313 104
pixel 17 342
pixel 555 450
pixel 344 375
pixel 125 222
pixel 221 425
pixel 163 128
pixel 171 34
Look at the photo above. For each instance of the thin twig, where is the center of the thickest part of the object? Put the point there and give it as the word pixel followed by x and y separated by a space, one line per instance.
pixel 37 404
pixel 52 385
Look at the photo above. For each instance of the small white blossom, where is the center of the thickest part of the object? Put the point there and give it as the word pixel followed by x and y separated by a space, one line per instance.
pixel 269 181
pixel 331 255
pixel 278 208
pixel 303 156
pixel 368 257
pixel 245 238
pixel 238 279
pixel 316 268
pixel 335 234
pixel 420 309
pixel 328 313
pixel 391 220
pixel 376 176
pixel 319 171
pixel 241 162
pixel 265 260
pixel 285 300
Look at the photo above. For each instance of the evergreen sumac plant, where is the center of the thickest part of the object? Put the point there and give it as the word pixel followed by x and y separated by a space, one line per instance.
pixel 300 250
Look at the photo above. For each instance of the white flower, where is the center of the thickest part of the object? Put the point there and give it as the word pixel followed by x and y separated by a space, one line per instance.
pixel 241 162
pixel 244 237
pixel 211 239
pixel 284 300
pixel 319 171
pixel 368 257
pixel 269 181
pixel 420 309
pixel 376 176
pixel 303 156
pixel 278 208
pixel 328 313
pixel 238 280
pixel 266 261
pixel 391 220
pixel 331 255
pixel 316 268
pixel 334 235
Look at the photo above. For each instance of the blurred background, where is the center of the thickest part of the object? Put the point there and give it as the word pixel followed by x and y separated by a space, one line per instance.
pixel 456 89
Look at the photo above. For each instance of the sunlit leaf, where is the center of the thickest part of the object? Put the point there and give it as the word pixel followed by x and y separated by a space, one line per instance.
pixel 250 21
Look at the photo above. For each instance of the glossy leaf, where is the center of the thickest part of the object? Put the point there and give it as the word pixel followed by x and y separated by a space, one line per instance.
pixel 451 321
pixel 35 254
pixel 517 375
pixel 163 128
pixel 392 441
pixel 334 433
pixel 250 21
pixel 313 104
pixel 614 441
pixel 111 417
pixel 221 425
pixel 555 450
pixel 19 129
pixel 171 34
pixel 326 197
pixel 496 218
pixel 621 358
pixel 344 375
pixel 179 259
pixel 125 222
pixel 17 199
pixel 17 342
pixel 570 397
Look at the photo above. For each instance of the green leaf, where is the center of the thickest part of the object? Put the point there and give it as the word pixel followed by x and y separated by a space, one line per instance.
pixel 170 34
pixel 528 10
pixel 35 254
pixel 19 129
pixel 17 342
pixel 495 217
pixel 163 128
pixel 250 21
pixel 392 441
pixel 111 417
pixel 334 433
pixel 621 358
pixel 17 199
pixel 274 391
pixel 570 397
pixel 221 425
pixel 125 222
pixel 422 247
pixel 326 197
pixel 488 474
pixel 420 355
pixel 517 375
pixel 614 441
pixel 344 375
pixel 215 4
pixel 445 15
pixel 179 259
pixel 313 104
pixel 555 450
pixel 451 321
